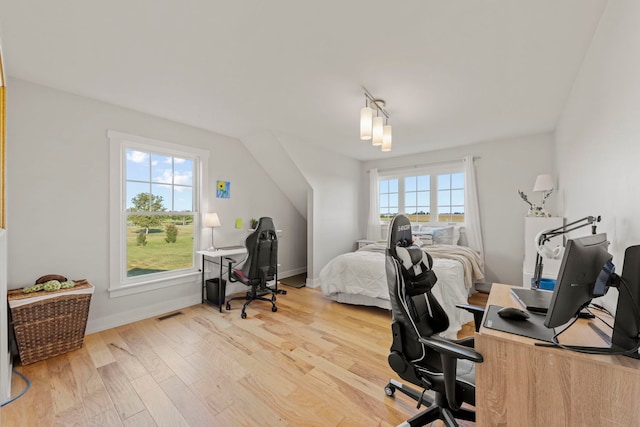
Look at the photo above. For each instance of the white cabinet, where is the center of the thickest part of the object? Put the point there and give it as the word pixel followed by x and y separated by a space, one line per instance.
pixel 532 226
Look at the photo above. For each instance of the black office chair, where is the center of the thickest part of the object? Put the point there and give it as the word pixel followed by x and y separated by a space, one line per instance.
pixel 418 354
pixel 260 267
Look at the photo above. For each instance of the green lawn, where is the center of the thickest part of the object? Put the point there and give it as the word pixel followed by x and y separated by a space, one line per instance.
pixel 159 255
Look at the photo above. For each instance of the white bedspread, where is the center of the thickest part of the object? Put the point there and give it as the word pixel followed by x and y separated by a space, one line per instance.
pixel 363 273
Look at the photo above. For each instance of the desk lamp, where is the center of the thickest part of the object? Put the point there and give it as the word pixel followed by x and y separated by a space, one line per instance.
pixel 212 221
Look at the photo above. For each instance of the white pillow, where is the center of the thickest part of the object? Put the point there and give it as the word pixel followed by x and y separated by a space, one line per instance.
pixel 442 235
pixel 422 239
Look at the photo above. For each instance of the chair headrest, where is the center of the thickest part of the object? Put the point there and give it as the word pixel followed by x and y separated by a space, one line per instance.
pixel 265 223
pixel 400 232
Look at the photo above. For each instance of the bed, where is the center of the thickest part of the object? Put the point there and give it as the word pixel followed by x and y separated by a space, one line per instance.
pixel 359 278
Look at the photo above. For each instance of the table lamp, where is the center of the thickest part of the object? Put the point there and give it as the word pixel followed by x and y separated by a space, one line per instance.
pixel 212 221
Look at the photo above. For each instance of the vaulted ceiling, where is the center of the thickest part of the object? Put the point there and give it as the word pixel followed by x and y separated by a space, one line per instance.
pixel 451 72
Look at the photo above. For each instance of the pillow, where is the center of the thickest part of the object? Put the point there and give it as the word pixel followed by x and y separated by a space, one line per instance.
pixel 462 241
pixel 442 235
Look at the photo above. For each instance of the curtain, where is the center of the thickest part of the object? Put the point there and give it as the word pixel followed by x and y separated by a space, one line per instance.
pixel 471 208
pixel 373 224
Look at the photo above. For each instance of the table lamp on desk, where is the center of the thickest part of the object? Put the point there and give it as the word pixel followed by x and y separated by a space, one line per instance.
pixel 212 221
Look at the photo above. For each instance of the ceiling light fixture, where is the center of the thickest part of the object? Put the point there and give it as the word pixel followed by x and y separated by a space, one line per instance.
pixel 376 129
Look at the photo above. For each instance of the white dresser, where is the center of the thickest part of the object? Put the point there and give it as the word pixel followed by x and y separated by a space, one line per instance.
pixel 532 226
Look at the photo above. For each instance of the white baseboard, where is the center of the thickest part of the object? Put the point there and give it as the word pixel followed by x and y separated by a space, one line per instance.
pixel 313 283
pixel 141 313
pixel 293 272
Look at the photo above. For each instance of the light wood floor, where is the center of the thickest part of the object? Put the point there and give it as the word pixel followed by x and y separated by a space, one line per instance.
pixel 312 363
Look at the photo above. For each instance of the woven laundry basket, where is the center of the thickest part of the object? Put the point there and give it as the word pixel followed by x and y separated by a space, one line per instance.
pixel 47 324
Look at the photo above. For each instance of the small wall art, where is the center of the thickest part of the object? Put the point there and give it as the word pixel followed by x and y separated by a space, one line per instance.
pixel 223 189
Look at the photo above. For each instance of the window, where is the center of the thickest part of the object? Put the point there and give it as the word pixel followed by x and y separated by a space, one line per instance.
pixel 155 212
pixel 428 195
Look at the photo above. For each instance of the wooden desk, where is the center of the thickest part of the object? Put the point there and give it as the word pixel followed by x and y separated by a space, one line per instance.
pixel 210 256
pixel 520 384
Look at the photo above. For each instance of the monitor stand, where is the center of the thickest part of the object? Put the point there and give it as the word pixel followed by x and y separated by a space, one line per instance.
pixel 625 330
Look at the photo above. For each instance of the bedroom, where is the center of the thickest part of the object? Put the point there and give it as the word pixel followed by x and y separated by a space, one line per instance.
pixel 595 125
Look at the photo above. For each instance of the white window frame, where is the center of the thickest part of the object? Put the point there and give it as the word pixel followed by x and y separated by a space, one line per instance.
pixel 120 284
pixel 433 171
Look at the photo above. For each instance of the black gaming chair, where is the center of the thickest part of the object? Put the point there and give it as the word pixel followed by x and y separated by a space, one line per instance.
pixel 260 267
pixel 418 354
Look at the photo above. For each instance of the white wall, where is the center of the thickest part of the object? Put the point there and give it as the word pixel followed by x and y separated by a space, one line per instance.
pixel 503 168
pixel 597 139
pixel 334 209
pixel 58 195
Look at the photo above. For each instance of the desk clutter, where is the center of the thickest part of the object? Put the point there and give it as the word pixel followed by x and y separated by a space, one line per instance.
pixel 48 323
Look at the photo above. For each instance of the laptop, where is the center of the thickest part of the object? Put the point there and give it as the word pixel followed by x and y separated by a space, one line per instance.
pixel 228 248
pixel 535 300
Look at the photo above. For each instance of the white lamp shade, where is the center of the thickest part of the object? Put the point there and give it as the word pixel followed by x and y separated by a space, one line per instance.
pixel 386 138
pixel 543 183
pixel 366 122
pixel 378 125
pixel 211 220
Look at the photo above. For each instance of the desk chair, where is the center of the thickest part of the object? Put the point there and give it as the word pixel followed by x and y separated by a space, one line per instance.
pixel 418 354
pixel 260 267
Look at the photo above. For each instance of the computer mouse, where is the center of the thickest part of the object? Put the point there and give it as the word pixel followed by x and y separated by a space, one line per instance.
pixel 513 313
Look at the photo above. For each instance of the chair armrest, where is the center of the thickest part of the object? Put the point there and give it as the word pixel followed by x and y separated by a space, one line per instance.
pixel 451 349
pixel 467 342
pixel 476 310
pixel 450 352
pixel 471 308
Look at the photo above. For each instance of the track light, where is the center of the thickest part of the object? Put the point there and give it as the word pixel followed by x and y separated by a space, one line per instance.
pixel 376 129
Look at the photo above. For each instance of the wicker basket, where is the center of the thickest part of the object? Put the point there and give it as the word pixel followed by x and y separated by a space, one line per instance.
pixel 47 324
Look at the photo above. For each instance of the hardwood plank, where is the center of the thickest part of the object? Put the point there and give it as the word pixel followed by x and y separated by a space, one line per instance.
pixel 158 404
pixel 178 364
pixel 187 402
pixel 143 350
pixel 123 354
pixel 125 399
pixel 65 393
pixel 141 419
pixel 98 350
pixel 91 389
pixel 25 411
pixel 107 418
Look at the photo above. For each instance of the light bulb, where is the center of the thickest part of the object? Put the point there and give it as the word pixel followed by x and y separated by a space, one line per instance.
pixel 377 131
pixel 366 120
pixel 386 138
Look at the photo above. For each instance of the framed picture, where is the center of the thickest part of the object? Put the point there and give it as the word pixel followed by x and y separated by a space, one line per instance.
pixel 223 189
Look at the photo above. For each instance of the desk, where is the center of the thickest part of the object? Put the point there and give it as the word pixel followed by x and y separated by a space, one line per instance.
pixel 520 384
pixel 209 256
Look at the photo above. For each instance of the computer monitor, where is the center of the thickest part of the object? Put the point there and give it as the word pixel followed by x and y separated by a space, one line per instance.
pixel 584 259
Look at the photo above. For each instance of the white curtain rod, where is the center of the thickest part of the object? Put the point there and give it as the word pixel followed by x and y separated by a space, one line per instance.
pixel 426 165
